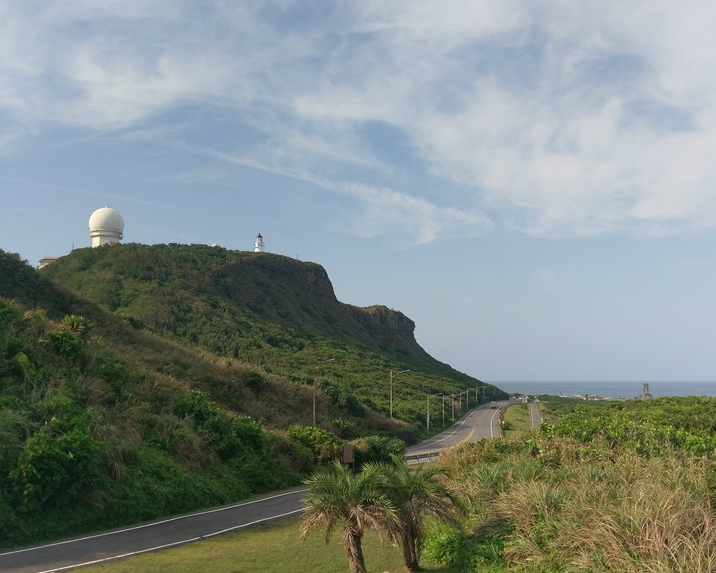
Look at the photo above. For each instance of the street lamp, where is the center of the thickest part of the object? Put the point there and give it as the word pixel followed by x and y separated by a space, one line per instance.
pixel 459 397
pixel 391 388
pixel 427 419
pixel 316 364
pixel 452 404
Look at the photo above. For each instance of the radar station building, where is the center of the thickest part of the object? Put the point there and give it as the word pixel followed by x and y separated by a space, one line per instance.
pixel 106 227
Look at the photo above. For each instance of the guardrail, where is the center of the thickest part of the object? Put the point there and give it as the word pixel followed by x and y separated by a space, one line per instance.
pixel 422 458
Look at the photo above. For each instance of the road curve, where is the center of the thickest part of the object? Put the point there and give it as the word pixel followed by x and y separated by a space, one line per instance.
pixel 70 554
pixel 478 423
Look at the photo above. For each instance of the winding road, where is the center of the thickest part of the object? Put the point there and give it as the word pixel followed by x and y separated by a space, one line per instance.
pixel 478 423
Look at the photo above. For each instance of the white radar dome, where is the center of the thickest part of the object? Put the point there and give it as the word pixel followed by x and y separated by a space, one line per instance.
pixel 106 226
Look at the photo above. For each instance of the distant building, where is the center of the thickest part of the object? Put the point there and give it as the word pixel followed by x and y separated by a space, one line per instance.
pixel 46 261
pixel 106 227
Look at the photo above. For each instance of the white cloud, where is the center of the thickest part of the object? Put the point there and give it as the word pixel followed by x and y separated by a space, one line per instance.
pixel 564 118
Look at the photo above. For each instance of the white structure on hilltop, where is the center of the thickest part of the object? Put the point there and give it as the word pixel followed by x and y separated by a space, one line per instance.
pixel 46 261
pixel 106 226
pixel 259 244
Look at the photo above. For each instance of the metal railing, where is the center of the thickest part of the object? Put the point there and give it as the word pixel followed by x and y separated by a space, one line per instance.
pixel 422 458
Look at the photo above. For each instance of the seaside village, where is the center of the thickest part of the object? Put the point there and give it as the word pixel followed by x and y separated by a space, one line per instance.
pixel 106 226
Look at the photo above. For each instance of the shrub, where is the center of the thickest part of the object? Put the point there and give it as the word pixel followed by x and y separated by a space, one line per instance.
pixel 52 467
pixel 342 426
pixel 325 445
pixel 255 381
pixel 446 545
pixel 377 449
pixel 228 434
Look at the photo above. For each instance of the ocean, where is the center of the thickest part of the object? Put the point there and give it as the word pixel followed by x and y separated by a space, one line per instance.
pixel 610 389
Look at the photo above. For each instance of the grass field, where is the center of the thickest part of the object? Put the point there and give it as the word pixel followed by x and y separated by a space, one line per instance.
pixel 518 418
pixel 264 548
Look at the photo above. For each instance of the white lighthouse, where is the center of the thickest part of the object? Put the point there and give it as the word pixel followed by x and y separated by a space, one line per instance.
pixel 106 226
pixel 259 244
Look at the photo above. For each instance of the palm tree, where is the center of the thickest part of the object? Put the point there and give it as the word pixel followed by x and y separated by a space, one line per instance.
pixel 360 501
pixel 78 325
pixel 418 492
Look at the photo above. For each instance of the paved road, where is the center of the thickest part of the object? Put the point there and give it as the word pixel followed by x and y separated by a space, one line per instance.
pixel 481 422
pixel 536 418
pixel 93 549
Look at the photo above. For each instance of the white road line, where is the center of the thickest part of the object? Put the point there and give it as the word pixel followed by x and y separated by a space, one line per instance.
pixel 145 525
pixel 492 423
pixel 252 523
pixel 86 563
pixel 167 545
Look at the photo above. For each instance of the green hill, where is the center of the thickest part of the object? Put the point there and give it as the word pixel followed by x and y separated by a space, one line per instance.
pixel 266 310
pixel 140 381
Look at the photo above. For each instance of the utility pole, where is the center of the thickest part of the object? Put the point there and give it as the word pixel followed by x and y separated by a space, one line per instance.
pixel 316 364
pixel 427 422
pixel 391 388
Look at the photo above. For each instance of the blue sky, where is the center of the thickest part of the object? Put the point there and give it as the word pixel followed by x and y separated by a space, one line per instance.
pixel 532 182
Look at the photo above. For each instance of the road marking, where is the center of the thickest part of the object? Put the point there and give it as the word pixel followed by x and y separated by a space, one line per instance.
pixel 167 545
pixel 86 563
pixel 145 525
pixel 492 423
pixel 252 523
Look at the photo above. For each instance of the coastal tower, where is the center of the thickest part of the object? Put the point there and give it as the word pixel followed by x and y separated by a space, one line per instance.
pixel 106 227
pixel 259 244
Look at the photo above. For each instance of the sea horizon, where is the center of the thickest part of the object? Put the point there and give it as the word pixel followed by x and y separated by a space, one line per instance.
pixel 609 389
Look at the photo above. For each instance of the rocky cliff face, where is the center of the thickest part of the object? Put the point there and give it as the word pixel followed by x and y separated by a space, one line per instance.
pixel 382 321
pixel 209 293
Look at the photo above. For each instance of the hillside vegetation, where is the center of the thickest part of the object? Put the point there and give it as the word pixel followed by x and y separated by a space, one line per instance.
pixel 137 382
pixel 268 311
pixel 627 487
pixel 559 499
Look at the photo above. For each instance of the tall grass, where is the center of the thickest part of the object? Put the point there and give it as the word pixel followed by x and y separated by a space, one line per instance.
pixel 572 507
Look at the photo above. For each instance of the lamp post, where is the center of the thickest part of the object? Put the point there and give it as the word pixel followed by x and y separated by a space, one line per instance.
pixel 483 392
pixel 316 364
pixel 391 387
pixel 427 419
pixel 467 405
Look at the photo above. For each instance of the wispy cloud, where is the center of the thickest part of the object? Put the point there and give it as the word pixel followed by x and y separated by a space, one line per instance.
pixel 562 119
pixel 375 211
pixel 28 183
